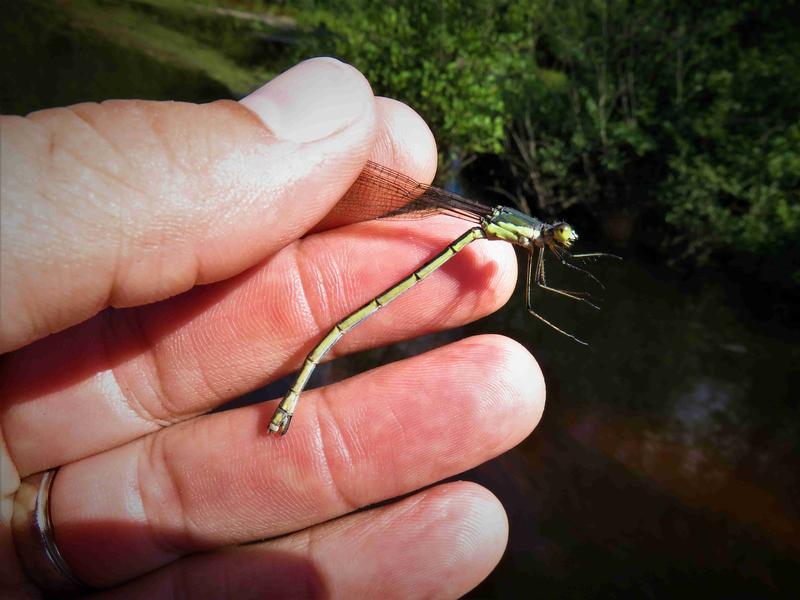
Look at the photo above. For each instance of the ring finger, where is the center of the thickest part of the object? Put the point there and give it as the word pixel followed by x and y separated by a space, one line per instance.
pixel 218 480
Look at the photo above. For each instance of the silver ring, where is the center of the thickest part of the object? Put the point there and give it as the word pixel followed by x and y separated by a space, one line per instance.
pixel 34 536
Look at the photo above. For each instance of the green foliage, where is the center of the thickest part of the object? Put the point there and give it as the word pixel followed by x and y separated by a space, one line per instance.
pixel 56 53
pixel 686 112
pixel 452 61
pixel 734 176
pixel 690 109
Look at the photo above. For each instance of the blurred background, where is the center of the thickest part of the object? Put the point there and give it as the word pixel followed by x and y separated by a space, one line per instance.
pixel 668 458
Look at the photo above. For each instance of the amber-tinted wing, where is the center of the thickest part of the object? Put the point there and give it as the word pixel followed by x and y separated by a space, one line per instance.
pixel 383 193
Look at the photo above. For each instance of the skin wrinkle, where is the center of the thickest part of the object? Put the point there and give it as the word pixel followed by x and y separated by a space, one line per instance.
pixel 161 134
pixel 328 433
pixel 356 447
pixel 176 536
pixel 185 344
pixel 410 506
pixel 170 403
pixel 265 294
pixel 116 265
pixel 41 189
pixel 39 324
pixel 337 266
pixel 398 443
pixel 180 269
pixel 208 220
pixel 193 265
pixel 213 395
pixel 340 280
pixel 252 367
pixel 307 271
pixel 108 340
pixel 108 384
pixel 328 415
pixel 77 111
pixel 103 208
pixel 59 150
pixel 348 284
pixel 103 179
pixel 132 323
pixel 100 175
pixel 309 546
pixel 295 502
pixel 148 115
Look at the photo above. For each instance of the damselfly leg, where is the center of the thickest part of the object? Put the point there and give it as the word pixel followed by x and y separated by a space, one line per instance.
pixel 535 275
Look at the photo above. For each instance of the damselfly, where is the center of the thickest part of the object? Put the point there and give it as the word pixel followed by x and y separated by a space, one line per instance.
pixel 391 194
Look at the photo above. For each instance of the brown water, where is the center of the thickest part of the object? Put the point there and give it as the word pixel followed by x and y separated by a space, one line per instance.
pixel 667 461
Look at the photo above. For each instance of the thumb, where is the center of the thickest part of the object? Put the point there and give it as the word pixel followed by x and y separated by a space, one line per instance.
pixel 128 202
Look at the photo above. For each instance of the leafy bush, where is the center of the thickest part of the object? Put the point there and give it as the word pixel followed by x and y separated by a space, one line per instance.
pixel 688 111
pixel 450 60
pixel 691 108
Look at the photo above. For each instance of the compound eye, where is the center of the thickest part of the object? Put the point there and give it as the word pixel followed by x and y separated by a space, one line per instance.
pixel 564 233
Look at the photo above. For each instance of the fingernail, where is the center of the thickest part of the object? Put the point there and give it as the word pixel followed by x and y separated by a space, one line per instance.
pixel 312 100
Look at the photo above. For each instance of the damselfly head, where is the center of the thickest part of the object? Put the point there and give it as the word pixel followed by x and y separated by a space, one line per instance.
pixel 562 234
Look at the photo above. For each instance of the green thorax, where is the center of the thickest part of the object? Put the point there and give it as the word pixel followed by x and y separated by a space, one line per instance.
pixel 512 226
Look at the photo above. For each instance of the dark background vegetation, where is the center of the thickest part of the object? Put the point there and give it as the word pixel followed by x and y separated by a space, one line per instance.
pixel 680 118
pixel 668 132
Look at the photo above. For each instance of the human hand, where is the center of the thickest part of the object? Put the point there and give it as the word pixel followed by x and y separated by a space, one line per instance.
pixel 153 269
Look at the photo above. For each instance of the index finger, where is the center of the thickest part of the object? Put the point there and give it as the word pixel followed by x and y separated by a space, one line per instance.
pixel 124 203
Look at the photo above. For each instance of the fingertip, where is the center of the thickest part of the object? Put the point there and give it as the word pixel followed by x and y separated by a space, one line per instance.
pixel 471 523
pixel 312 100
pixel 489 521
pixel 518 383
pixel 526 379
pixel 483 518
pixel 404 141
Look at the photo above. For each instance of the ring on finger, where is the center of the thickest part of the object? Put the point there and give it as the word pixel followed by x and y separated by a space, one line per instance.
pixel 34 536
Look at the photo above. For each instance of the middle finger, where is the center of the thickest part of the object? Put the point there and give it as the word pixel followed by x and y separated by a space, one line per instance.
pixel 126 373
